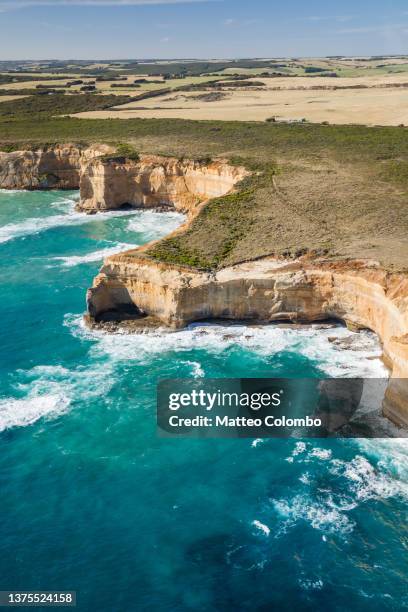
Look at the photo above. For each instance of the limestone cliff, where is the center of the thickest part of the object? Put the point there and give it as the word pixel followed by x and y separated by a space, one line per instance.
pixel 129 284
pixel 108 183
pixel 50 167
pixel 154 181
pixel 356 292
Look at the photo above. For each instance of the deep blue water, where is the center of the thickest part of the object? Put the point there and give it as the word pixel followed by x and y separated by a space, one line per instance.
pixel 93 501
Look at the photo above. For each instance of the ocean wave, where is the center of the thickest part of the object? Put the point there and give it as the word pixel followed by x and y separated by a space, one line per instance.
pixel 75 260
pixel 43 391
pixel 322 515
pixel 36 404
pixel 367 481
pixel 308 584
pixel 197 370
pixel 257 442
pixel 149 223
pixel 312 342
pixel 12 191
pixel 23 412
pixel 357 481
pixel 48 392
pixel 35 225
pixel 153 224
pixel 391 455
pixel 264 529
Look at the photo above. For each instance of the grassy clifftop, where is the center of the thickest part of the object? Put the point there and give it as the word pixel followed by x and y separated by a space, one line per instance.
pixel 341 191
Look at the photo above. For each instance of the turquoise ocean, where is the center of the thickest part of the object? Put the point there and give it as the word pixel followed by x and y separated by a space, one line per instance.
pixel 92 500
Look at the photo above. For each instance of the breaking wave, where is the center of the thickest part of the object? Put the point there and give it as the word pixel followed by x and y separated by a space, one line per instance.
pixel 70 261
pixel 154 225
pixel 363 359
pixel 348 484
pixel 50 391
pixel 70 217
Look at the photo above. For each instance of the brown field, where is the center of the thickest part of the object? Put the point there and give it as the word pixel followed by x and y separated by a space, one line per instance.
pixel 10 98
pixel 382 102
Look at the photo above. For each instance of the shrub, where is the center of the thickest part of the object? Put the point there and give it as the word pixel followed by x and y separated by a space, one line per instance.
pixel 313 69
pixel 123 152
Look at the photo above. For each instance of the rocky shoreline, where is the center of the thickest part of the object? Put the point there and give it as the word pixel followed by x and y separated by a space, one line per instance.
pixel 135 292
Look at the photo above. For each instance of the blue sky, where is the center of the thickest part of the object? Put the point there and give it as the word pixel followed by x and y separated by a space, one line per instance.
pixel 61 29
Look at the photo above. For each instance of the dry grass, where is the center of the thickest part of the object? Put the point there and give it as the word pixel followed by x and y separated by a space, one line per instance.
pixel 10 98
pixel 336 210
pixel 294 101
pixel 32 84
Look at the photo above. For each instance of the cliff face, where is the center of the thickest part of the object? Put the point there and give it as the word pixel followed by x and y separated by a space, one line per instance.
pixel 154 181
pixel 57 167
pixel 107 184
pixel 268 290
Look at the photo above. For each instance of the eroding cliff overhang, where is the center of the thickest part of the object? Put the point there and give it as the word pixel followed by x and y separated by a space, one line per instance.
pixel 47 167
pixel 356 292
pixel 109 183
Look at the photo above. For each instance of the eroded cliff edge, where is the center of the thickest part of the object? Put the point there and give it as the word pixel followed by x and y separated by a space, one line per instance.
pixel 47 167
pixel 132 284
pixel 151 181
pixel 108 180
pixel 356 292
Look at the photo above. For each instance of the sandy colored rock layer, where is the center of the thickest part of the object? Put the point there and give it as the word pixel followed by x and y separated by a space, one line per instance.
pixel 111 183
pixel 56 167
pixel 154 181
pixel 358 293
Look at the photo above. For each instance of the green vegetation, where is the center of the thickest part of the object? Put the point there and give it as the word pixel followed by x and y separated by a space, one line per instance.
pixel 50 105
pixel 314 69
pixel 340 190
pixel 396 172
pixel 229 213
pixel 123 152
pixel 5 79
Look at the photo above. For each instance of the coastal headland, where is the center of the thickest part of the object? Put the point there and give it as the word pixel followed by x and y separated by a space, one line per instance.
pixel 294 215
pixel 302 285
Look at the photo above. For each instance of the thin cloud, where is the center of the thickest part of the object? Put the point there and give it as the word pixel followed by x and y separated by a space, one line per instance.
pixel 338 18
pixel 236 22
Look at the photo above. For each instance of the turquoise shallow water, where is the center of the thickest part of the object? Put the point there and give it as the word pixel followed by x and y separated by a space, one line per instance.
pixel 93 501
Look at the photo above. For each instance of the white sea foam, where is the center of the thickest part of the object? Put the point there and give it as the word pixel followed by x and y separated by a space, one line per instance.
pixel 318 514
pixel 49 392
pixel 39 402
pixel 35 225
pixel 153 224
pixel 22 412
pixel 392 455
pixel 261 527
pixel 264 340
pixel 361 480
pixel 300 448
pixel 311 585
pixel 196 369
pixel 149 223
pixel 257 442
pixel 75 260
pixel 321 453
pixel 8 192
pixel 365 481
pixel 305 478
pixel 361 359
